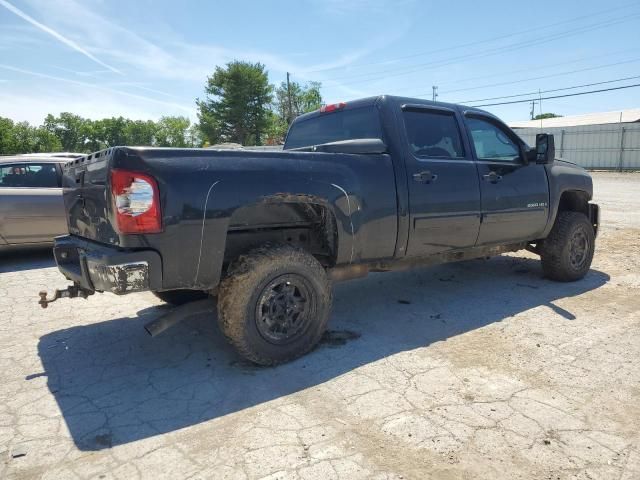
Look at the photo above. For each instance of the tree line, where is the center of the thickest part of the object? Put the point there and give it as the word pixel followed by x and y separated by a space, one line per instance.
pixel 73 133
pixel 239 106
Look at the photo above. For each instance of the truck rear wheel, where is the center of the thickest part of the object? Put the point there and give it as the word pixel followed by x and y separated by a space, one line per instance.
pixel 275 304
pixel 568 250
pixel 180 297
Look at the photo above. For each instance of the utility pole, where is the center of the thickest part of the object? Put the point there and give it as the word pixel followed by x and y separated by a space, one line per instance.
pixel 290 112
pixel 540 100
pixel 533 108
pixel 435 92
pixel 541 111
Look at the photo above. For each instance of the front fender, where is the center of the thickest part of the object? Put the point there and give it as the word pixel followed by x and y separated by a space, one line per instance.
pixel 565 177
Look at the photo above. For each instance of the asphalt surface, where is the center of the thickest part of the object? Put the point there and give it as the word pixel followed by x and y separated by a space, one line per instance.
pixel 480 369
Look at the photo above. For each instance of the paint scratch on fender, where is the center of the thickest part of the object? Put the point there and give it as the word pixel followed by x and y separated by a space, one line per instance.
pixel 204 218
pixel 353 235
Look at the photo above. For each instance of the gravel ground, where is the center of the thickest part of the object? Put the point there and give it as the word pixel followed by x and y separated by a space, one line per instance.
pixel 480 369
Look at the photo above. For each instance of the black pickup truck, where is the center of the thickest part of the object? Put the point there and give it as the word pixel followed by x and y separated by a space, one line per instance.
pixel 371 185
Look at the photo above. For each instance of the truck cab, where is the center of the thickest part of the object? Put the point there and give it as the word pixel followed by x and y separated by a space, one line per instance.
pixel 464 178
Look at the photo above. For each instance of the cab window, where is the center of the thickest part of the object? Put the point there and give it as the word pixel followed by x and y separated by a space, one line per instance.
pixel 350 124
pixel 433 133
pixel 492 142
pixel 35 175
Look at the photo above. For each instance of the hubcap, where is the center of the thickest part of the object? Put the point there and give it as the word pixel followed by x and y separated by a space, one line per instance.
pixel 283 308
pixel 578 249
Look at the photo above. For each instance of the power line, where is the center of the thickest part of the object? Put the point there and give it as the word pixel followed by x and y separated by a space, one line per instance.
pixel 518 45
pixel 540 77
pixel 528 70
pixel 373 76
pixel 558 96
pixel 552 90
pixel 539 67
pixel 479 42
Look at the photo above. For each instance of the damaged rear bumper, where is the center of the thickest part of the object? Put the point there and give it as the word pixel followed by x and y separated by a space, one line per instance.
pixel 96 267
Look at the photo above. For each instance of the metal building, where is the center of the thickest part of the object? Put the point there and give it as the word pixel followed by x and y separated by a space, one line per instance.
pixel 607 141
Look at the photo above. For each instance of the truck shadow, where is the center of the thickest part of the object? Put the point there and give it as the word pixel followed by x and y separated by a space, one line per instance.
pixel 26 259
pixel 116 385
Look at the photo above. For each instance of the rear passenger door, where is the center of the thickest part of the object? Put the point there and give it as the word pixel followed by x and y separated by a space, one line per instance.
pixel 444 192
pixel 31 204
pixel 515 194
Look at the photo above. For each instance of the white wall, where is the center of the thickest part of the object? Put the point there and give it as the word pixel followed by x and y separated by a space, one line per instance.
pixel 594 146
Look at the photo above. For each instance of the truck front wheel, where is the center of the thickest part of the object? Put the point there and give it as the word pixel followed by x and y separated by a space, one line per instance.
pixel 568 250
pixel 274 305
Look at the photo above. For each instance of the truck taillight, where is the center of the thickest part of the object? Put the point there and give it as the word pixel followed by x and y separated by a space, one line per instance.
pixel 136 202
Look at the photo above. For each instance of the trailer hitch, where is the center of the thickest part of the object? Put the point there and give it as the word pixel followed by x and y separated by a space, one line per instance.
pixel 72 291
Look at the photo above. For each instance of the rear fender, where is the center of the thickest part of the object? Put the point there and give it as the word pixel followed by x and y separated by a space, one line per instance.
pixel 223 200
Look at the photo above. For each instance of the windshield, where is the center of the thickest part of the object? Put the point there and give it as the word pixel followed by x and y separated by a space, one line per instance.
pixel 332 127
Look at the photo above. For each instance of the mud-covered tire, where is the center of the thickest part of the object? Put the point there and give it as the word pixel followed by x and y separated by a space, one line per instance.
pixel 180 297
pixel 567 252
pixel 275 303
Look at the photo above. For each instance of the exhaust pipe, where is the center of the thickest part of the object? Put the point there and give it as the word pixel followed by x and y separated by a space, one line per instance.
pixel 179 313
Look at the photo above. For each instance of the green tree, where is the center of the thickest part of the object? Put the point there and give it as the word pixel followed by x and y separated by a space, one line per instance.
pixel 21 137
pixel 45 141
pixel 114 131
pixel 67 127
pixel 24 137
pixel 140 132
pixel 173 132
pixel 92 136
pixel 7 140
pixel 542 116
pixel 194 137
pixel 291 102
pixel 276 130
pixel 236 107
pixel 300 98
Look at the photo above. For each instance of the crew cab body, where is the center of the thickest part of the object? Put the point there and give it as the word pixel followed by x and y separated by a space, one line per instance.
pixel 369 185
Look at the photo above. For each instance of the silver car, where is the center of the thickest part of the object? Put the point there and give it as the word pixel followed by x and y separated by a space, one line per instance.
pixel 31 206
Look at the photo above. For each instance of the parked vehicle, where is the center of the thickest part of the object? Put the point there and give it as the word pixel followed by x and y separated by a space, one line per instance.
pixel 31 206
pixel 376 184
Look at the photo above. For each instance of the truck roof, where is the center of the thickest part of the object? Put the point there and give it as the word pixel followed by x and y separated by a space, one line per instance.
pixel 396 100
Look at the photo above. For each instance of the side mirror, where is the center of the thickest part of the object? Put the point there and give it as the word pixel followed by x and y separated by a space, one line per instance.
pixel 545 148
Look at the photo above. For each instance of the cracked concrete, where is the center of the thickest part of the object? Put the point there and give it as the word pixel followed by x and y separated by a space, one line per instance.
pixel 482 370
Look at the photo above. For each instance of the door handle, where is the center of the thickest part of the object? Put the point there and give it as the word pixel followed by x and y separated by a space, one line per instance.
pixel 492 177
pixel 425 177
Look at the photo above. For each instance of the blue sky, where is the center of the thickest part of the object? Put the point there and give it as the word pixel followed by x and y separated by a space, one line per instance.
pixel 148 58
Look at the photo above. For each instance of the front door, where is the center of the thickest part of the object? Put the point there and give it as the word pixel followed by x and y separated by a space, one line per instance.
pixel 515 195
pixel 444 192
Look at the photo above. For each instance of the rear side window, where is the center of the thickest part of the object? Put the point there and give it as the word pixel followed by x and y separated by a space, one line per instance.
pixel 335 126
pixel 433 133
pixel 36 175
